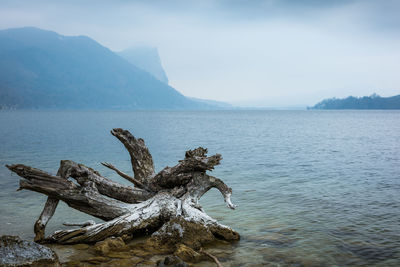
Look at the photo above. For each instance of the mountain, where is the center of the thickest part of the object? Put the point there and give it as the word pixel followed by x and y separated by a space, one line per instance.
pixel 367 102
pixel 146 58
pixel 43 69
pixel 217 104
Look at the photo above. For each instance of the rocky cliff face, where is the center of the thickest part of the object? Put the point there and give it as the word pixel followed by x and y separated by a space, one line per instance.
pixel 146 58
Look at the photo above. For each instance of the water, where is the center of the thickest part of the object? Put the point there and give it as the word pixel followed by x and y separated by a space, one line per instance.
pixel 314 188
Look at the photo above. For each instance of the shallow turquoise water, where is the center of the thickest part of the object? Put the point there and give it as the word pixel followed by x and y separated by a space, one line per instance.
pixel 314 188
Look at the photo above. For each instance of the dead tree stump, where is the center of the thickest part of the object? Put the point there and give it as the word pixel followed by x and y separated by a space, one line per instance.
pixel 154 202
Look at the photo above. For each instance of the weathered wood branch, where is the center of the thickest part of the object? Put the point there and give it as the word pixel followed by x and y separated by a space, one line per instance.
pixel 195 162
pixel 44 218
pixel 151 214
pixel 155 200
pixel 201 183
pixel 48 212
pixel 215 259
pixel 124 175
pixel 107 187
pixel 84 198
pixel 148 214
pixel 141 159
pixel 82 224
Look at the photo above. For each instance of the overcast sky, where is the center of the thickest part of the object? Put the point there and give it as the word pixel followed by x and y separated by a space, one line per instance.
pixel 260 52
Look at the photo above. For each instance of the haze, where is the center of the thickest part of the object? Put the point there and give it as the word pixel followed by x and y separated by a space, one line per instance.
pixel 250 53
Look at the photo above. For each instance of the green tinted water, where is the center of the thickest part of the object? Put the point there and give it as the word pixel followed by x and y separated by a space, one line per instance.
pixel 314 188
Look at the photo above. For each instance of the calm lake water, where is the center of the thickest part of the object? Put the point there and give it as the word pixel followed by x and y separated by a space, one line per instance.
pixel 314 188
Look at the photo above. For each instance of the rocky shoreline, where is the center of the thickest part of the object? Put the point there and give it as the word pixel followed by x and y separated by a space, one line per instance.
pixel 112 251
pixel 17 252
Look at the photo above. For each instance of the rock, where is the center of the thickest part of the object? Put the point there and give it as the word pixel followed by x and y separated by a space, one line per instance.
pixel 149 249
pixel 146 263
pixel 109 244
pixel 81 246
pixel 225 233
pixel 67 253
pixel 120 255
pixel 77 264
pixel 187 254
pixel 96 260
pixel 140 253
pixel 17 252
pixel 172 261
pixel 126 238
pixel 124 262
pixel 157 258
pixel 180 231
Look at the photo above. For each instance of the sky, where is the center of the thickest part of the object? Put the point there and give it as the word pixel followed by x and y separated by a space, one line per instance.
pixel 273 53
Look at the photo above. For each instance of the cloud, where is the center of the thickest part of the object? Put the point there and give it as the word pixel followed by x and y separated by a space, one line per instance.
pixel 278 52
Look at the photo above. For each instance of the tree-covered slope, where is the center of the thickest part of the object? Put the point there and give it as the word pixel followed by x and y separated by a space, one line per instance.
pixel 42 69
pixel 367 102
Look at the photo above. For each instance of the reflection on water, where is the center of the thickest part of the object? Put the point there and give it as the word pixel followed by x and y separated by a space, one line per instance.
pixel 314 188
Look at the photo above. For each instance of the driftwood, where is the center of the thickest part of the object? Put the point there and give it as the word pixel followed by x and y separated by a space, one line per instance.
pixel 154 199
pixel 215 259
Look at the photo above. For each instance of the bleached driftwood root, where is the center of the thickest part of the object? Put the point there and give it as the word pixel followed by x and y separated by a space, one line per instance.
pixel 148 206
pixel 215 259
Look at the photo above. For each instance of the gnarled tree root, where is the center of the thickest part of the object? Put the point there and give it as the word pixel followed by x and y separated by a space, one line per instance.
pixel 157 203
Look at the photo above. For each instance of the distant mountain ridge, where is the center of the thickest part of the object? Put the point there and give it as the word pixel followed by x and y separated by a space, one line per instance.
pixel 43 69
pixel 367 102
pixel 146 58
pixel 215 103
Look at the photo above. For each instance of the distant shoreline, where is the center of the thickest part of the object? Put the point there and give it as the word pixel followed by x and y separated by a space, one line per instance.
pixel 188 110
pixel 372 102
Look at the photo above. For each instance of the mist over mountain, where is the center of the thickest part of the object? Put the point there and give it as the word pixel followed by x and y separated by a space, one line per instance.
pixel 217 104
pixel 146 58
pixel 43 69
pixel 367 102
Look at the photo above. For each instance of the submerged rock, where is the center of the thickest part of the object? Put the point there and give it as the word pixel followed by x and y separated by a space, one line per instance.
pixel 96 260
pixel 273 239
pixel 172 261
pixel 17 252
pixel 188 254
pixel 109 244
pixel 81 246
pixel 124 262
